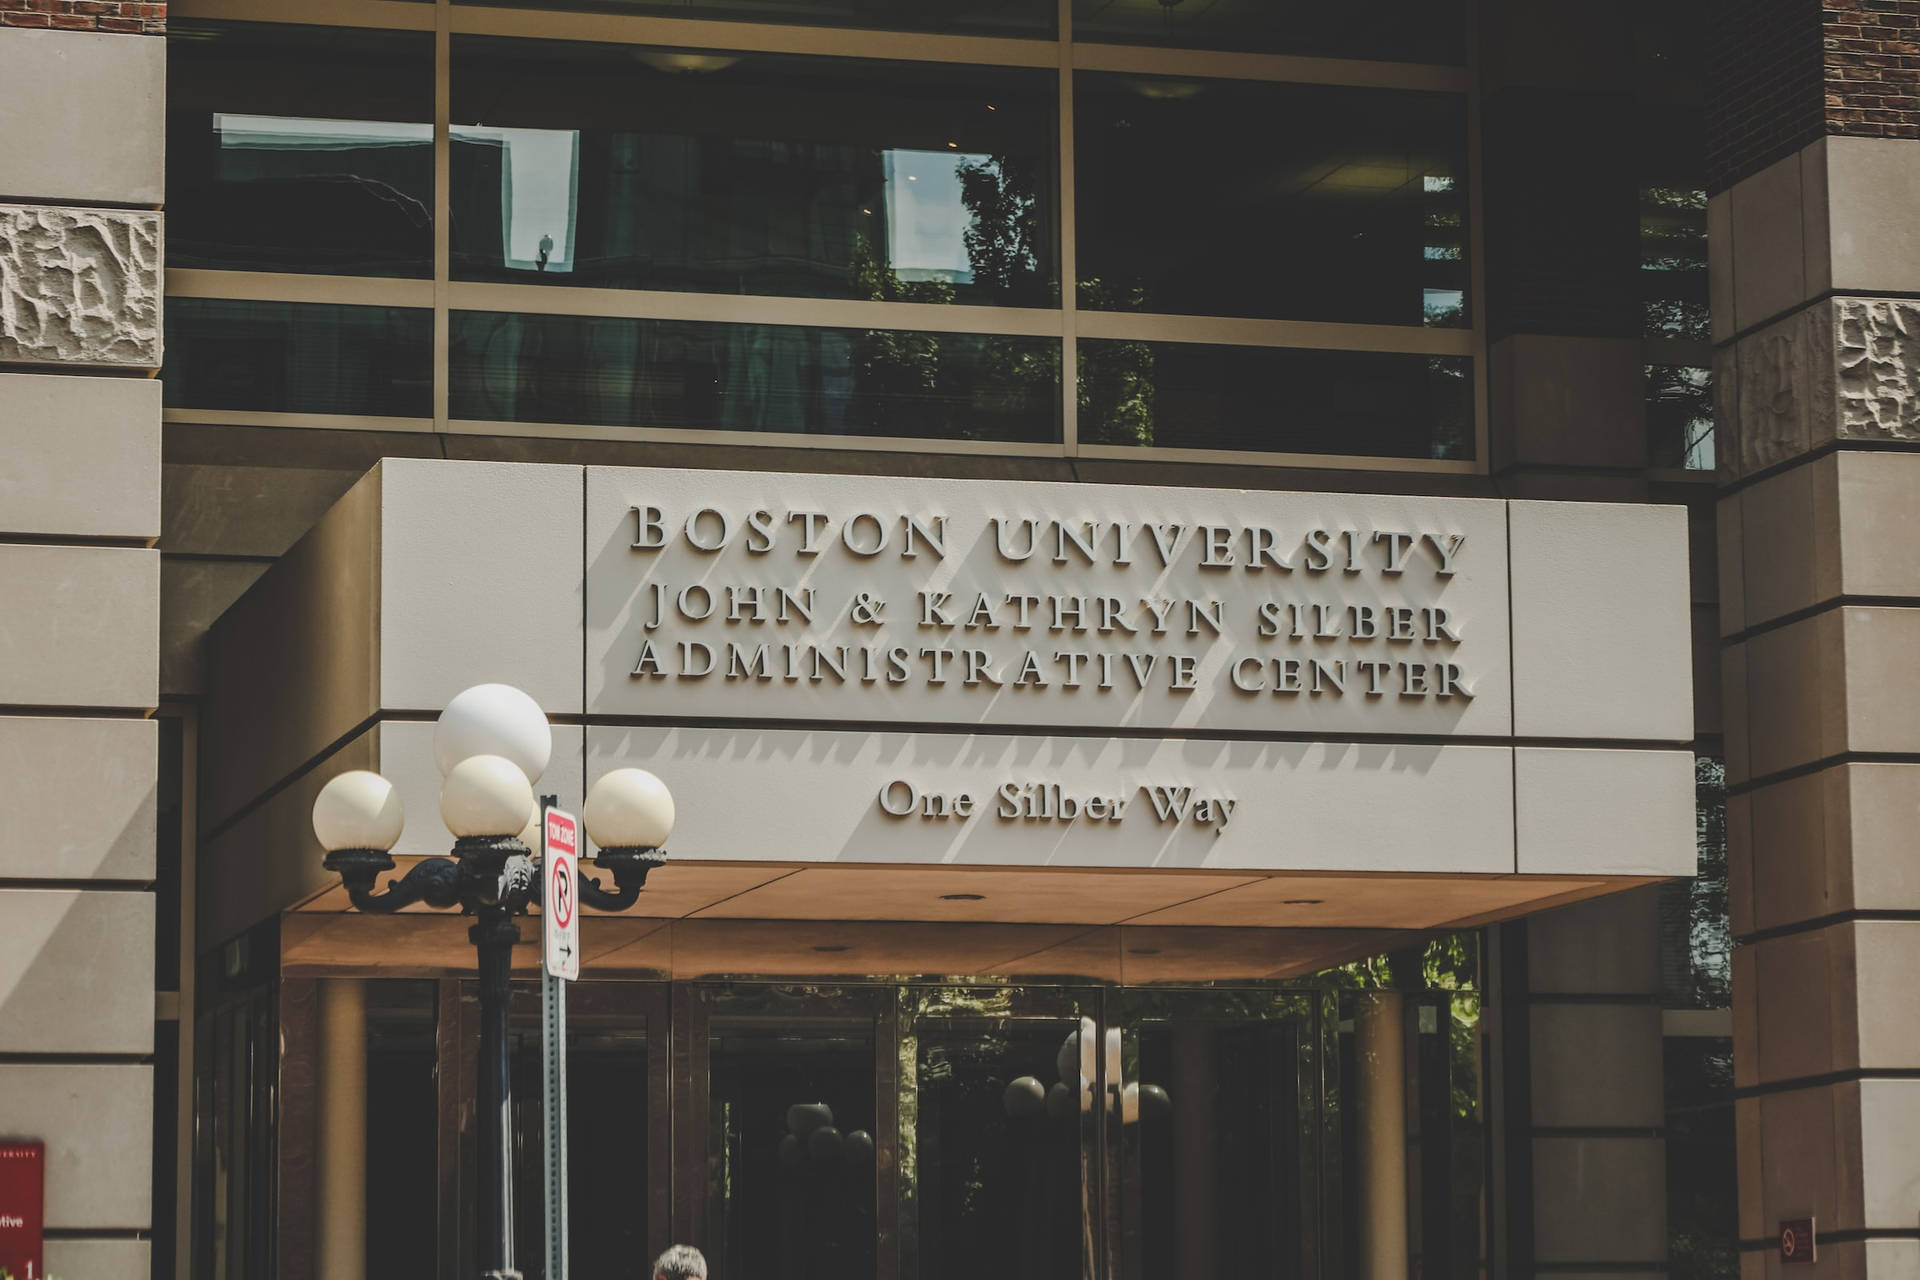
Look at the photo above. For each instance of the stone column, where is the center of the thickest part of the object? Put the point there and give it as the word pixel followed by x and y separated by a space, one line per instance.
pixel 1380 1073
pixel 1816 259
pixel 80 182
pixel 341 1158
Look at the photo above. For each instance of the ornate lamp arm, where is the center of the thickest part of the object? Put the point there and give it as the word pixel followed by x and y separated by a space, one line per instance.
pixel 629 867
pixel 434 881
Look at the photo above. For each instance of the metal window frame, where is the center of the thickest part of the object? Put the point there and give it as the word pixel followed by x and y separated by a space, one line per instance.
pixel 1068 323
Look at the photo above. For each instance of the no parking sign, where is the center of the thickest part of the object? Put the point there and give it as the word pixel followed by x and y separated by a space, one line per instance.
pixel 561 908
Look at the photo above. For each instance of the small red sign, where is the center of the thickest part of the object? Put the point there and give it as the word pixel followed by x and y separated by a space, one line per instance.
pixel 1796 1240
pixel 23 1207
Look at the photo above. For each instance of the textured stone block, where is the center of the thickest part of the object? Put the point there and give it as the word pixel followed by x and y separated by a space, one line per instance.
pixel 1840 369
pixel 1877 368
pixel 79 286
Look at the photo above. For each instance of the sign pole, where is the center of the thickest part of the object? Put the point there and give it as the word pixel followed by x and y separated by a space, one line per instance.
pixel 560 930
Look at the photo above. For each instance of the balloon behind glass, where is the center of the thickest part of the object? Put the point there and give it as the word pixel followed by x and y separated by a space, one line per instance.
pixel 804 1117
pixel 1025 1098
pixel 824 1144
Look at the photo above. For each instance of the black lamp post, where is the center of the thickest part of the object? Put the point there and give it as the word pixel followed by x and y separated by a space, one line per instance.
pixel 491 742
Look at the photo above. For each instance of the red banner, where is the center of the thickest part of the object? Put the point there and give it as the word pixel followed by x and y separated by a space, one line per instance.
pixel 23 1202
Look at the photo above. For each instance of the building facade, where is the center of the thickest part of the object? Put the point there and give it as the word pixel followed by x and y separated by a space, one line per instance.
pixel 925 434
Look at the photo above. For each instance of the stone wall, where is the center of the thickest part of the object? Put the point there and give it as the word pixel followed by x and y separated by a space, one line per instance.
pixel 80 263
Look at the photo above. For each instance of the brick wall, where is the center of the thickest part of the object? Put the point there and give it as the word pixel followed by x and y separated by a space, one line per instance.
pixel 1785 72
pixel 1763 85
pixel 1872 67
pixel 86 15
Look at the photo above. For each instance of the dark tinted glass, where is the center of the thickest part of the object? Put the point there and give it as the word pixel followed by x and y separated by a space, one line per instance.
pixel 750 377
pixel 968 17
pixel 1289 201
pixel 1001 1126
pixel 1703 1229
pixel 293 148
pixel 792 1116
pixel 1394 31
pixel 1275 399
pixel 402 1138
pixel 630 167
pixel 292 357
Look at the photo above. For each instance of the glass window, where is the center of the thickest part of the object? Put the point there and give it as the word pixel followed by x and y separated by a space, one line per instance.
pixel 292 357
pixel 604 371
pixel 1680 417
pixel 962 17
pixel 1275 399
pixel 1285 201
pixel 295 148
pixel 1393 30
pixel 633 167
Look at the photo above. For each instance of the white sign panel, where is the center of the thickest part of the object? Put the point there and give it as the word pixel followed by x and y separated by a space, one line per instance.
pixel 720 595
pixel 560 906
pixel 1034 801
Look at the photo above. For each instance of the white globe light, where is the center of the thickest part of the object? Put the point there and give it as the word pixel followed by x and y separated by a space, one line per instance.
pixel 486 796
pixel 494 720
pixel 358 810
pixel 629 809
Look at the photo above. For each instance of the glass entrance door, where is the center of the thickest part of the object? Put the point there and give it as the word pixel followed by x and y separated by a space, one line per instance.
pixel 781 1132
pixel 1219 1151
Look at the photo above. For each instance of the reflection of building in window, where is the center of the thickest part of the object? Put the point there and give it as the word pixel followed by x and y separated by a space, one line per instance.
pixel 1680 417
pixel 347 190
pixel 1445 252
pixel 1673 261
pixel 539 191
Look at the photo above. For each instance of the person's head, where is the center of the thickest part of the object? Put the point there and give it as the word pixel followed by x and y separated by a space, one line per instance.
pixel 681 1262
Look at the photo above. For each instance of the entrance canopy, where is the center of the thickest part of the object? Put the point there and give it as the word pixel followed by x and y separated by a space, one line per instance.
pixel 987 703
